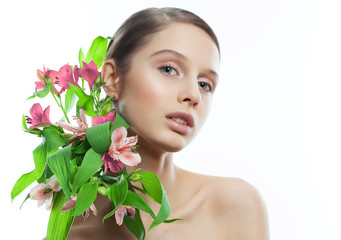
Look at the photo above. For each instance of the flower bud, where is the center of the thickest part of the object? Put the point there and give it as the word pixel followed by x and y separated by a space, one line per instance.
pixel 102 190
pixel 107 108
pixel 135 177
pixel 98 79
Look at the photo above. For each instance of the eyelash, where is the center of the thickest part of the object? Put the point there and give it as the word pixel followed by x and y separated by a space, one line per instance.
pixel 207 85
pixel 169 66
pixel 172 67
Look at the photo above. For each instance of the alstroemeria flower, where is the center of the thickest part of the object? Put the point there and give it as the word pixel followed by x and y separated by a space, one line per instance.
pixel 102 119
pixel 89 73
pixel 43 192
pixel 113 165
pixel 123 210
pixel 121 148
pixel 80 129
pixel 63 77
pixel 38 116
pixel 72 203
pixel 41 83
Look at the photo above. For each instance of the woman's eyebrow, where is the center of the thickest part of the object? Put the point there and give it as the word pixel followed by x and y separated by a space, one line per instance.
pixel 172 52
pixel 214 75
pixel 177 54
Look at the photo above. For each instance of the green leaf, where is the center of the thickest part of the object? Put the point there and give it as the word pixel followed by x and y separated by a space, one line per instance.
pixel 70 99
pixel 82 148
pixel 135 225
pixel 28 196
pixel 119 122
pixel 59 163
pixel 99 137
pixel 135 200
pixel 81 57
pixel 97 51
pixel 86 196
pixel 43 93
pixel 31 97
pixel 26 129
pixel 22 183
pixel 154 189
pixel 119 190
pixel 53 138
pixel 23 121
pixel 40 156
pixel 117 194
pixel 110 214
pixel 172 220
pixel 92 162
pixel 84 101
pixel 152 185
pixel 59 222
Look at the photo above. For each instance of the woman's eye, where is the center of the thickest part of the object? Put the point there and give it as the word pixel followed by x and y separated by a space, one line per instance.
pixel 168 70
pixel 207 87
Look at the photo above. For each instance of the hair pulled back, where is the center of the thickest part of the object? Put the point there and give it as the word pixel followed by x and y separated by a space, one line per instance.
pixel 138 29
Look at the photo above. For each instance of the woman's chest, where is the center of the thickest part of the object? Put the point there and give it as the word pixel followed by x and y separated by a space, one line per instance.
pixel 198 222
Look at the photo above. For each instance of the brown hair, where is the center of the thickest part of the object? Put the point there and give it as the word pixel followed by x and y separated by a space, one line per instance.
pixel 135 32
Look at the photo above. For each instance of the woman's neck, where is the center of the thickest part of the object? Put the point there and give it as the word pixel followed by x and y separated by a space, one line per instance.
pixel 160 163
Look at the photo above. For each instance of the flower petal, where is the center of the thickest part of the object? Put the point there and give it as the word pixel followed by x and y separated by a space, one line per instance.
pixel 69 205
pixel 129 158
pixel 119 215
pixel 114 165
pixel 37 191
pixel 83 116
pixel 36 111
pixel 94 209
pixel 102 119
pixel 54 184
pixel 48 203
pixel 118 135
pixel 89 73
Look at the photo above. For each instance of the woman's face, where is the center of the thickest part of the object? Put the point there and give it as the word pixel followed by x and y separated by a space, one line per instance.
pixel 166 94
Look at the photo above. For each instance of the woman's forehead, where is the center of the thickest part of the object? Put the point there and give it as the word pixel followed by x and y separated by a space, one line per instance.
pixel 185 41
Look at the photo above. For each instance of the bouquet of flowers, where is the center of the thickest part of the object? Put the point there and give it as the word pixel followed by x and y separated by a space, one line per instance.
pixel 76 161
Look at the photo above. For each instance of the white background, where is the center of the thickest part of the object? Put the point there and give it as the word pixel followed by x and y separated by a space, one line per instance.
pixel 276 115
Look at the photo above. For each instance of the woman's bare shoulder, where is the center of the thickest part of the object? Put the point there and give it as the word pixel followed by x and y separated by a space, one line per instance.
pixel 237 204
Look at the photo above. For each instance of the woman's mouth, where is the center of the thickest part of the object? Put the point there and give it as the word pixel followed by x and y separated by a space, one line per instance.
pixel 180 122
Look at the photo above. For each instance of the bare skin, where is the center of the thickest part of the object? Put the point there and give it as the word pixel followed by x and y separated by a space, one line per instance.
pixel 170 74
pixel 211 208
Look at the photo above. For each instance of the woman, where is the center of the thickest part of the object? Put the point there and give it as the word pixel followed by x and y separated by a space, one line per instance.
pixel 162 70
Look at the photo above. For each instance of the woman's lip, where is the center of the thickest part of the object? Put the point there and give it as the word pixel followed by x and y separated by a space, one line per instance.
pixel 180 127
pixel 183 115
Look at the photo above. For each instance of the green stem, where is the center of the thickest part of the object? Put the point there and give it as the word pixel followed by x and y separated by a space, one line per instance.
pixel 60 105
pixel 108 178
pixel 137 188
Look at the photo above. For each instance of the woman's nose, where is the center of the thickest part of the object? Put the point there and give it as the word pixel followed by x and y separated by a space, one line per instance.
pixel 190 92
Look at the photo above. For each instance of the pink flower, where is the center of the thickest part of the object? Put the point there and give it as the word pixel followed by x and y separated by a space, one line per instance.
pixel 121 147
pixel 80 129
pixel 41 83
pixel 89 73
pixel 43 192
pixel 44 74
pixel 63 77
pixel 121 151
pixel 72 203
pixel 123 210
pixel 114 165
pixel 38 116
pixel 102 119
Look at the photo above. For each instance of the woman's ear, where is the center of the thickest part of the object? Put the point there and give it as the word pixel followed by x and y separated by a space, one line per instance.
pixel 111 77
